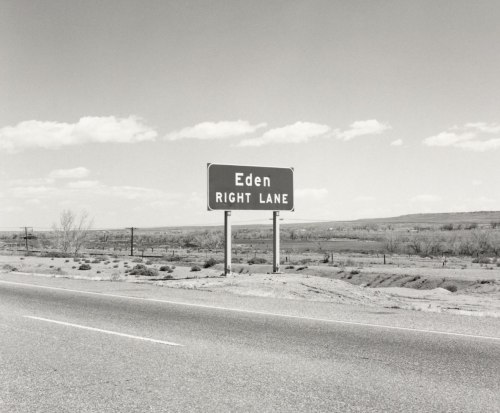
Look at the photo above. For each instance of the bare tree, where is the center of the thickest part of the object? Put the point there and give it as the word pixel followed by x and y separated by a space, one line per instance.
pixel 482 241
pixel 209 240
pixel 72 231
pixel 392 243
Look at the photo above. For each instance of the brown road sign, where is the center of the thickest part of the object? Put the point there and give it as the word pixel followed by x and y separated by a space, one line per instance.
pixel 234 187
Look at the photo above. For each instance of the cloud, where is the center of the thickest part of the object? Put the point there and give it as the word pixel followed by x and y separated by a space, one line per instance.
pixel 363 127
pixel 468 137
pixel 311 193
pixel 296 133
pixel 54 135
pixel 31 182
pixel 32 191
pixel 483 127
pixel 215 130
pixel 397 142
pixel 480 146
pixel 96 188
pixel 83 184
pixel 87 189
pixel 74 173
pixel 425 198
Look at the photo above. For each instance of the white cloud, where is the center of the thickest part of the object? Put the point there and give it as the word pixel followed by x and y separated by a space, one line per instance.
pixel 483 127
pixel 448 139
pixel 480 146
pixel 296 133
pixel 54 135
pixel 363 127
pixel 477 182
pixel 311 193
pixel 74 173
pixel 84 184
pixel 87 189
pixel 424 198
pixel 468 137
pixel 32 191
pixel 31 182
pixel 397 142
pixel 215 130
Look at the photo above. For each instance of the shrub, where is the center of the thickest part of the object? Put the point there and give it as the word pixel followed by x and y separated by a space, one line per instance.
pixel 73 267
pixel 98 272
pixel 149 262
pixel 195 268
pixel 302 268
pixel 106 262
pixel 66 260
pixel 56 254
pixel 8 267
pixel 289 267
pixel 172 259
pixel 170 270
pixel 354 272
pixel 137 260
pixel 209 263
pixel 452 288
pixel 84 267
pixel 96 261
pixel 257 260
pixel 116 260
pixel 76 259
pixel 481 260
pixel 115 266
pixel 86 261
pixel 141 269
pixel 164 268
pixel 168 277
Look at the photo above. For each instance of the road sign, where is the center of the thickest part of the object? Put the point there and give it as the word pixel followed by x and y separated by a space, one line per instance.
pixel 234 187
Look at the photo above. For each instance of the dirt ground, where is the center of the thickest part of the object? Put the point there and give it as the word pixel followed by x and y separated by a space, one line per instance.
pixel 417 285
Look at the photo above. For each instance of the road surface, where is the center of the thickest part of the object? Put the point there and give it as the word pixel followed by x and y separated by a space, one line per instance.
pixel 63 349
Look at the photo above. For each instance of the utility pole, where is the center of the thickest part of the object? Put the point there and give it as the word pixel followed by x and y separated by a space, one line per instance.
pixel 26 238
pixel 131 240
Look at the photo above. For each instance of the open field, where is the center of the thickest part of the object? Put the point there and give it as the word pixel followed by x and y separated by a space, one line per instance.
pixel 427 262
pixel 407 283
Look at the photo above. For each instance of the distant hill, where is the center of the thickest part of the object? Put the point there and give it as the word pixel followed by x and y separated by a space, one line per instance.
pixel 478 217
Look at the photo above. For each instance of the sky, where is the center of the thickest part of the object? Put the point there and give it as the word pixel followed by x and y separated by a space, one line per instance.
pixel 115 107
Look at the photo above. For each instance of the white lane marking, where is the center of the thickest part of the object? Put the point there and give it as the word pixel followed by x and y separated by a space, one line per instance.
pixel 115 333
pixel 266 313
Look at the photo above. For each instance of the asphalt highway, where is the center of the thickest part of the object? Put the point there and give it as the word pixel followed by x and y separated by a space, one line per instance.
pixel 69 351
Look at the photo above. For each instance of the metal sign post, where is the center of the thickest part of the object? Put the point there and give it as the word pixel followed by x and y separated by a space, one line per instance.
pixel 227 243
pixel 250 188
pixel 276 242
